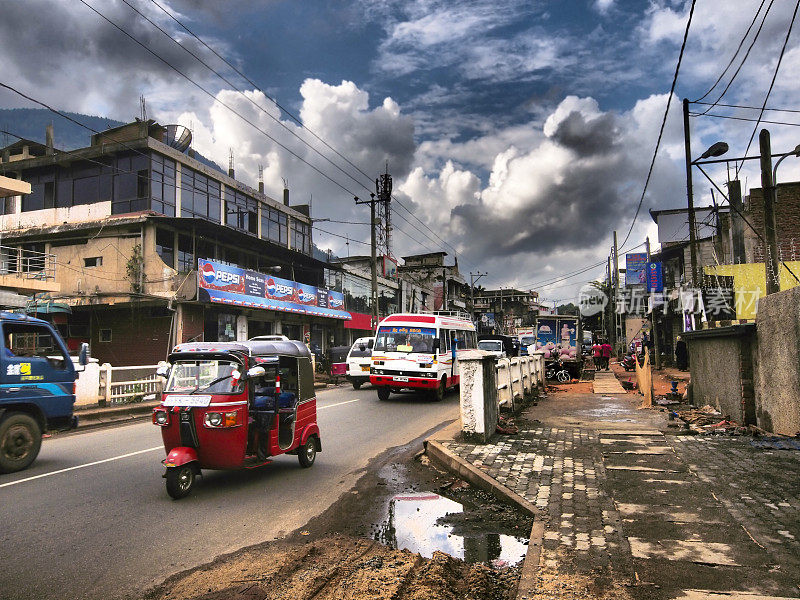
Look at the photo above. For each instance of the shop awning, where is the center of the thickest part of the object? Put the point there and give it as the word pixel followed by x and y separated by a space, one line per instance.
pixel 48 307
pixel 231 299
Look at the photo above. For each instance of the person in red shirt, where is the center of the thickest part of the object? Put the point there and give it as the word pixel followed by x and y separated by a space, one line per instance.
pixel 597 351
pixel 606 351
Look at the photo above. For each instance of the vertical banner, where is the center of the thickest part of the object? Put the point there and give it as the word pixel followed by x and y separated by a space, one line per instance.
pixel 655 280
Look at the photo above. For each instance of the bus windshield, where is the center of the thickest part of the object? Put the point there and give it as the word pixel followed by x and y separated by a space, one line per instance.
pixel 210 376
pixel 405 339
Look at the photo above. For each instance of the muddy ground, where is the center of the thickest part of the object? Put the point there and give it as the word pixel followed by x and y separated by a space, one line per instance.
pixel 349 551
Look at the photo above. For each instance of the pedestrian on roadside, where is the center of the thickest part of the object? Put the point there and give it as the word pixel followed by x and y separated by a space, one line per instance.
pixel 597 352
pixel 606 350
pixel 681 354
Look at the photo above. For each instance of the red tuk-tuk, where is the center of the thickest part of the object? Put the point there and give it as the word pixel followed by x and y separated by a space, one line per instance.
pixel 232 405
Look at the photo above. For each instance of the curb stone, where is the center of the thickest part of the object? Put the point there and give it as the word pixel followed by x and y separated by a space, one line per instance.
pixel 530 567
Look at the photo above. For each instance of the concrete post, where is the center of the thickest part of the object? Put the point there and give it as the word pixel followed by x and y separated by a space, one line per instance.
pixel 105 377
pixel 478 395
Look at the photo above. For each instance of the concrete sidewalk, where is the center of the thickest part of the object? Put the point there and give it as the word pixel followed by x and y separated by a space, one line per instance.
pixel 629 510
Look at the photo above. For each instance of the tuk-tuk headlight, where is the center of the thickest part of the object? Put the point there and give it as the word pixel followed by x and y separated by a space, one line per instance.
pixel 213 419
pixel 161 418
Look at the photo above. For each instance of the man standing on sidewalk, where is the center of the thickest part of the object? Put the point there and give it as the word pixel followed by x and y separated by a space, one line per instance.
pixel 606 351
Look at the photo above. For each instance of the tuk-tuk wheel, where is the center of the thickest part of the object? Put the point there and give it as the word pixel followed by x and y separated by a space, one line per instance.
pixel 307 453
pixel 383 393
pixel 356 385
pixel 180 481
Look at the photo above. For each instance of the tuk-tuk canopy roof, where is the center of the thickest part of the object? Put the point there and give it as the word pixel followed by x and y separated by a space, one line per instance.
pixel 252 348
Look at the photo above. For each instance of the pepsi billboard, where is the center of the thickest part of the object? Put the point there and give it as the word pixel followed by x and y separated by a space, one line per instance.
pixel 226 284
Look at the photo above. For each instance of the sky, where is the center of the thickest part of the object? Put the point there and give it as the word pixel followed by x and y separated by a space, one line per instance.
pixel 519 133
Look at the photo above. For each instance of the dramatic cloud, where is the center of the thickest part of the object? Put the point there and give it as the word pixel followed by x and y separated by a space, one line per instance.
pixel 66 53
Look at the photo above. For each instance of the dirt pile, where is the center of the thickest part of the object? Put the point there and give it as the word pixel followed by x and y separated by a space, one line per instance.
pixel 338 568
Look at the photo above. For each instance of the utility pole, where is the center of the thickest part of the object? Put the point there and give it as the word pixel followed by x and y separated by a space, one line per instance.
pixel 473 277
pixel 617 317
pixel 653 320
pixel 373 249
pixel 689 193
pixel 737 225
pixel 769 191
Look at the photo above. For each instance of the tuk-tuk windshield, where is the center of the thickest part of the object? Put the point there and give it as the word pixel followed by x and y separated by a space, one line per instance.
pixel 209 376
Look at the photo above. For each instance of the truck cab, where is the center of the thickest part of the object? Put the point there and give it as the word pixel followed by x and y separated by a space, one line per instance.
pixel 37 387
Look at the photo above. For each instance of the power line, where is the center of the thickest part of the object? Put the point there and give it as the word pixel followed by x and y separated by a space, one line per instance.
pixel 663 123
pixel 743 119
pixel 788 110
pixel 747 54
pixel 215 99
pixel 772 83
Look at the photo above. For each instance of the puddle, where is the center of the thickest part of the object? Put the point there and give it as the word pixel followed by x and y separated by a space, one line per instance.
pixel 424 522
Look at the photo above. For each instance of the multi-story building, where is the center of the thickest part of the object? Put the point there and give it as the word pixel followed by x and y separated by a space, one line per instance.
pixel 432 285
pixel 153 247
pixel 505 309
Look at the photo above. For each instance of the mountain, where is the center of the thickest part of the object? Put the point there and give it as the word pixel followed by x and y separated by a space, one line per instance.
pixel 30 123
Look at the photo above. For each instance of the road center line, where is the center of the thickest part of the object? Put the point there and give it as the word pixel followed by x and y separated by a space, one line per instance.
pixel 97 462
pixel 337 404
pixel 105 460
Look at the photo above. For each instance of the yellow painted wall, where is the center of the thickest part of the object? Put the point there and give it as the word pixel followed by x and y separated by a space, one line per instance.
pixel 750 283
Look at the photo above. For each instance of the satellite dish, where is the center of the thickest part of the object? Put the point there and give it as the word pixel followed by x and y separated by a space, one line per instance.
pixel 178 137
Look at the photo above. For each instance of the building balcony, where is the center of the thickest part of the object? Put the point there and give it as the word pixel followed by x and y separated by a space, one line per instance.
pixel 27 271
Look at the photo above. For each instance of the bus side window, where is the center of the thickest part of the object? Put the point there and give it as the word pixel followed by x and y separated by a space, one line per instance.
pixel 453 338
pixel 444 335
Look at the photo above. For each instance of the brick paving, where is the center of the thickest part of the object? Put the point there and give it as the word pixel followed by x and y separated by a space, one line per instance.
pixel 646 514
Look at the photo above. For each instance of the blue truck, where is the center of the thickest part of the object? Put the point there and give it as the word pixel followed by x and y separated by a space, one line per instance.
pixel 37 387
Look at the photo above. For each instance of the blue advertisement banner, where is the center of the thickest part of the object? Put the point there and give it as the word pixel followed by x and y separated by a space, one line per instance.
pixel 655 280
pixel 227 284
pixel 635 269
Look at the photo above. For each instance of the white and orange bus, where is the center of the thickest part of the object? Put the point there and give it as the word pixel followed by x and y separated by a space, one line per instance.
pixel 420 352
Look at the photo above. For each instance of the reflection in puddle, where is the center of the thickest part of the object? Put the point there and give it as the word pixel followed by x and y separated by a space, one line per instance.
pixel 417 523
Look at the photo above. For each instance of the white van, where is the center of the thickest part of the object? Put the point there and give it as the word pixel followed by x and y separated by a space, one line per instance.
pixel 494 347
pixel 359 360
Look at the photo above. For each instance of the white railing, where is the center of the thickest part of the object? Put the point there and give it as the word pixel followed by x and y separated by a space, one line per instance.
pixel 27 264
pixel 518 377
pixel 122 385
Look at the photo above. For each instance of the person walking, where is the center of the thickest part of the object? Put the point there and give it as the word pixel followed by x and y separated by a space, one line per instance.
pixel 597 358
pixel 606 351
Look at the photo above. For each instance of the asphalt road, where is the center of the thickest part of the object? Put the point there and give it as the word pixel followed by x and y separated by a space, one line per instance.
pixel 91 518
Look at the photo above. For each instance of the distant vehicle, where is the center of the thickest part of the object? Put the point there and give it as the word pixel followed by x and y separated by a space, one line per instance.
pixel 509 342
pixel 420 352
pixel 527 342
pixel 37 388
pixel 495 347
pixel 359 360
pixel 269 338
pixel 558 337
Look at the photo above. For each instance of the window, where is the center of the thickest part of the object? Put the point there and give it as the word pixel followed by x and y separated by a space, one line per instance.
pixel 301 236
pixel 165 246
pixel 162 185
pixel 32 344
pixel 241 211
pixel 105 335
pixel 95 261
pixel 185 254
pixel 273 225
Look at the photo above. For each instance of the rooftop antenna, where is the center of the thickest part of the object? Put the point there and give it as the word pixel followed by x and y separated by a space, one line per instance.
pixel 261 178
pixel 143 108
pixel 231 171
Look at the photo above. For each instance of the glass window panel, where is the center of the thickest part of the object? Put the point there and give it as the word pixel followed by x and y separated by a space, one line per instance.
pixel 63 193
pixel 105 190
pixel 125 186
pixel 86 190
pixel 34 200
pixel 165 245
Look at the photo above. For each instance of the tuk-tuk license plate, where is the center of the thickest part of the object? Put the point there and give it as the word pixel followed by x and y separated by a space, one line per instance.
pixel 187 400
pixel 365 369
pixel 400 378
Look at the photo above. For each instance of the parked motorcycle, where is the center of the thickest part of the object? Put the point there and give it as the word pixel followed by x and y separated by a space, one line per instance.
pixel 629 362
pixel 557 371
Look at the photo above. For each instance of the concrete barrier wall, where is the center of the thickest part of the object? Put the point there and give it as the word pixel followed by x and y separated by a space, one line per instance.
pixel 778 356
pixel 715 359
